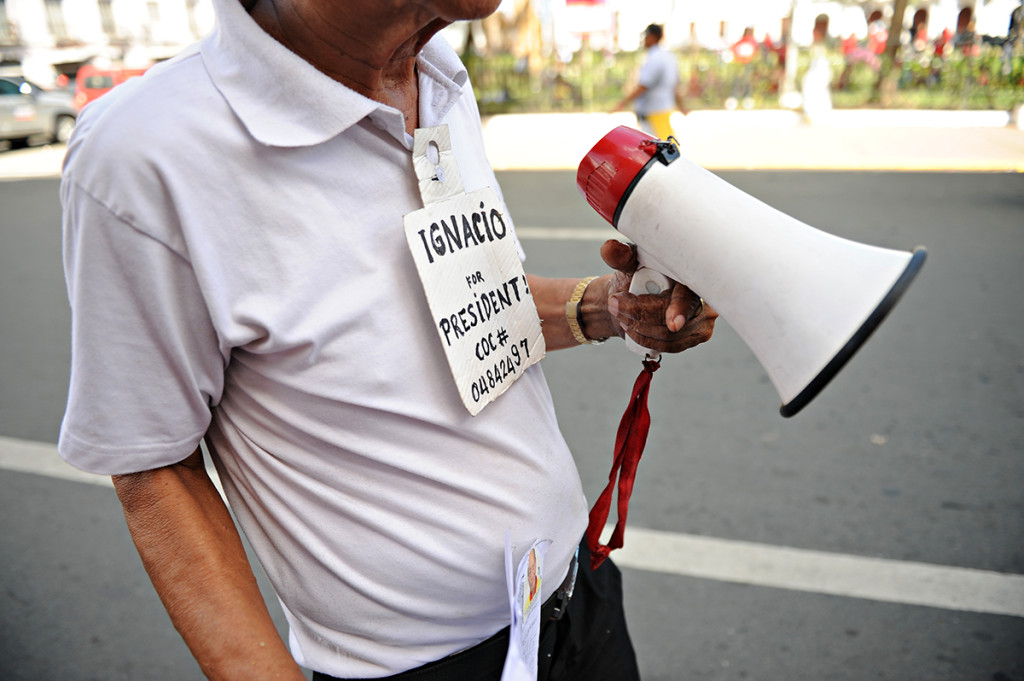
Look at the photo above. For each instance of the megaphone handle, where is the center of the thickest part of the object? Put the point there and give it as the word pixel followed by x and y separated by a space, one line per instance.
pixel 651 282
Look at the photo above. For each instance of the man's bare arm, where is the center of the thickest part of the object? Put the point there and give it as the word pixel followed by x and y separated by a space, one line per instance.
pixel 194 556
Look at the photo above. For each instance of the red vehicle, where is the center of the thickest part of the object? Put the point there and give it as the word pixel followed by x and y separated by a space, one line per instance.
pixel 93 81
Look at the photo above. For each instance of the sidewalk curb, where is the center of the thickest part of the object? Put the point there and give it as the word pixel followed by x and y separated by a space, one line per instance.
pixel 967 141
pixel 857 118
pixel 762 139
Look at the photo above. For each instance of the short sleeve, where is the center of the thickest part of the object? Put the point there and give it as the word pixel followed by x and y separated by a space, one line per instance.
pixel 146 365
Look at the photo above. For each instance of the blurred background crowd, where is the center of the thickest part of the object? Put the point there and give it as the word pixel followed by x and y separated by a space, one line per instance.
pixel 581 55
pixel 939 54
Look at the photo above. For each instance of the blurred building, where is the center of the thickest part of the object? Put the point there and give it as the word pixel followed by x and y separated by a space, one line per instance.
pixel 45 39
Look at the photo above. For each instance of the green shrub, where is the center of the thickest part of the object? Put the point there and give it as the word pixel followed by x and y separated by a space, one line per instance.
pixel 596 81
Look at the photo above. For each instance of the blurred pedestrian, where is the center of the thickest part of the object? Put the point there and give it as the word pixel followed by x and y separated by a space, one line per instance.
pixel 966 40
pixel 1015 31
pixel 655 97
pixel 878 35
pixel 942 42
pixel 743 53
pixel 816 86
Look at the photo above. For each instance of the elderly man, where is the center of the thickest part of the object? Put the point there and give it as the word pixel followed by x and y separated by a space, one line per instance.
pixel 238 275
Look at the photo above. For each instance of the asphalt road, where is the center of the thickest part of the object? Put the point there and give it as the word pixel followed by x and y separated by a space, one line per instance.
pixel 913 456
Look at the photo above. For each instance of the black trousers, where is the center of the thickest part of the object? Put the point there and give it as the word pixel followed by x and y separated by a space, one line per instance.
pixel 589 643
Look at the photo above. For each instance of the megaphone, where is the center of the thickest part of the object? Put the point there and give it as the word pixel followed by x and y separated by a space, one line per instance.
pixel 803 300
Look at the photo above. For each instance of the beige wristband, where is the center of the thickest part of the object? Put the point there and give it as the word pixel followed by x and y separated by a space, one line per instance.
pixel 572 313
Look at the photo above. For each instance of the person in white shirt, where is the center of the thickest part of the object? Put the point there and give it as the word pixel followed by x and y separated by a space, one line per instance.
pixel 655 96
pixel 239 276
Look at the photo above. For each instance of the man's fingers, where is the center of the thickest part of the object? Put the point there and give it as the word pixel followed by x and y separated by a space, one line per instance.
pixel 683 305
pixel 619 256
pixel 646 309
pixel 698 330
pixel 648 321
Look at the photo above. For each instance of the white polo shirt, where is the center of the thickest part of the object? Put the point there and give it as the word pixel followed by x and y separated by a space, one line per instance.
pixel 237 268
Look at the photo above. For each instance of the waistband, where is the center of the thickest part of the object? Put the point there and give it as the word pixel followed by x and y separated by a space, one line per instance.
pixel 488 654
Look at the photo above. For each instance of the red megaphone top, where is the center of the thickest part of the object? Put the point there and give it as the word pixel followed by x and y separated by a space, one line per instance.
pixel 608 170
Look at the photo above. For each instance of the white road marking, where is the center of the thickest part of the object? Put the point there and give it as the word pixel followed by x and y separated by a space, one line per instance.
pixel 41 458
pixel 878 579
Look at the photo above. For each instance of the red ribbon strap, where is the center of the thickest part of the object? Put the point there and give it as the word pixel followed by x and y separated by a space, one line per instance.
pixel 629 447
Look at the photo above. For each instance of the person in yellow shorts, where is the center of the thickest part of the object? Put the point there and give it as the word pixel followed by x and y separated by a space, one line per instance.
pixel 654 97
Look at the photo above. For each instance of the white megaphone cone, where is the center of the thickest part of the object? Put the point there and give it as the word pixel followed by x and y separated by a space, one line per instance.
pixel 803 300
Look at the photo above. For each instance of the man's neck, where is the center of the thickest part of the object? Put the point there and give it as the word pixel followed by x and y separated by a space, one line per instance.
pixel 366 45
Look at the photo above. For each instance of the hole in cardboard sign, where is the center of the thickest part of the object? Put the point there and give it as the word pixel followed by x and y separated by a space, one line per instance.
pixel 433 152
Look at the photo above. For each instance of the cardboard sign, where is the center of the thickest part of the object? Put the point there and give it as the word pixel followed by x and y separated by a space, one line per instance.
pixel 475 285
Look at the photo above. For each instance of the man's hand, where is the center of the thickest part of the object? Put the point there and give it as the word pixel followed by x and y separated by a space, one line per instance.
pixel 669 322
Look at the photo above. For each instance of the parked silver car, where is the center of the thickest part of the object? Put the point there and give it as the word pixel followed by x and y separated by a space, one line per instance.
pixel 28 111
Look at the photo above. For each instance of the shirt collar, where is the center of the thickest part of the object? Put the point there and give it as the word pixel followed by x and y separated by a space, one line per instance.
pixel 284 101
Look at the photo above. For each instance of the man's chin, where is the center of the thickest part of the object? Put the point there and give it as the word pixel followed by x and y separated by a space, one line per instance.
pixel 463 10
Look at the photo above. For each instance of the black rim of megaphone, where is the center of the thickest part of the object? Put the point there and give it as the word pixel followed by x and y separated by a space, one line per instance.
pixel 792 407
